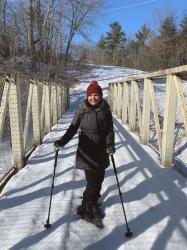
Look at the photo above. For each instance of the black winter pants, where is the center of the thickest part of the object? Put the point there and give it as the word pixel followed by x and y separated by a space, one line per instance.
pixel 94 184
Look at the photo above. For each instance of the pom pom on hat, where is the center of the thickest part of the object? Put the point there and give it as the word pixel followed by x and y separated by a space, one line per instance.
pixel 94 88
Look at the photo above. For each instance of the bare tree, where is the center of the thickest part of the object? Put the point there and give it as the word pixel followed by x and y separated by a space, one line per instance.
pixel 3 4
pixel 80 15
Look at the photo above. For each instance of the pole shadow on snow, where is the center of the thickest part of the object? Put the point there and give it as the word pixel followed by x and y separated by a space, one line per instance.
pixel 36 238
pixel 111 241
pixel 159 181
pixel 65 220
pixel 33 184
pixel 6 203
pixel 38 159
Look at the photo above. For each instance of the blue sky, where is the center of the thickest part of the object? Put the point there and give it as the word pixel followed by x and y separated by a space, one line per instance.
pixel 132 14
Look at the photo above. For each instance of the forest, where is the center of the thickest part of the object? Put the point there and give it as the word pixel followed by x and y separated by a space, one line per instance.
pixel 43 32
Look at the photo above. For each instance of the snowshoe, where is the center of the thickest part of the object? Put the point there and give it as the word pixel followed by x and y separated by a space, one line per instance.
pixel 90 213
pixel 86 210
pixel 95 221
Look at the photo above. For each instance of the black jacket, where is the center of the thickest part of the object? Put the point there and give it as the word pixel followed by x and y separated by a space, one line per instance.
pixel 95 135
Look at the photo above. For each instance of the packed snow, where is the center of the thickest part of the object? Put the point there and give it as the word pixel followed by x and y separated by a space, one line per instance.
pixel 154 197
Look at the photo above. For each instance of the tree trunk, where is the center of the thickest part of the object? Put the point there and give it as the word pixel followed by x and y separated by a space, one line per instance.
pixel 31 45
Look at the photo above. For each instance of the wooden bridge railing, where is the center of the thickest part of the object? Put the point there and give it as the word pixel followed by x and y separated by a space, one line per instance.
pixel 29 106
pixel 139 98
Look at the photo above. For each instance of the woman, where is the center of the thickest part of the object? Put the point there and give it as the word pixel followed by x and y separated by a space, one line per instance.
pixel 96 142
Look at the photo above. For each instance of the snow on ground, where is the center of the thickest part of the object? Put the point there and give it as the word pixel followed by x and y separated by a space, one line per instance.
pixel 154 197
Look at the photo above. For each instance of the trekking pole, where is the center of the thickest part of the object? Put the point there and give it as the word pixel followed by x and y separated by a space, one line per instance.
pixel 47 224
pixel 129 233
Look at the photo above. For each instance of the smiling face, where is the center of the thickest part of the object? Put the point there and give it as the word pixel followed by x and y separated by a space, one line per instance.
pixel 94 99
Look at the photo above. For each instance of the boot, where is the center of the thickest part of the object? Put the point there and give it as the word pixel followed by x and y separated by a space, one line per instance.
pixel 86 210
pixel 89 210
pixel 97 211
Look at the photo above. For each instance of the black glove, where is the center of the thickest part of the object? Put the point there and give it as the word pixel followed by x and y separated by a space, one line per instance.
pixel 110 150
pixel 57 145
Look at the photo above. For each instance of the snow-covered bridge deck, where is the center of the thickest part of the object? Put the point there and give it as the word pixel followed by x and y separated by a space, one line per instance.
pixel 154 199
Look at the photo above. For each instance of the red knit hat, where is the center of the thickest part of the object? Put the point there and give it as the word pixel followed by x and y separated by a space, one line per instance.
pixel 94 88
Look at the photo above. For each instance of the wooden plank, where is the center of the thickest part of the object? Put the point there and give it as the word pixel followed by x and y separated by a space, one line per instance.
pixel 169 123
pixel 181 101
pixel 16 124
pixel 156 74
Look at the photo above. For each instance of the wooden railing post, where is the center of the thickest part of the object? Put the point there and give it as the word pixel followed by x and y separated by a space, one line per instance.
pixel 47 119
pixel 59 101
pixel 155 114
pixel 63 89
pixel 146 113
pixel 109 96
pixel 42 109
pixel 181 101
pixel 115 98
pixel 36 114
pixel 169 122
pixel 112 97
pixel 119 100
pixel 54 104
pixel 66 94
pixel 138 108
pixel 27 114
pixel 125 103
pixel 133 106
pixel 16 124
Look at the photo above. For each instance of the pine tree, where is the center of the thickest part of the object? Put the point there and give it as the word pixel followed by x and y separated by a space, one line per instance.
pixel 168 29
pixel 115 37
pixel 101 43
pixel 168 42
pixel 140 49
pixel 143 35
pixel 114 43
